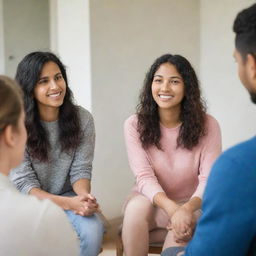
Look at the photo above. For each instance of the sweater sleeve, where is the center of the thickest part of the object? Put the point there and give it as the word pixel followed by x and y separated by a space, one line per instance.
pixel 210 151
pixel 24 176
pixel 54 229
pixel 146 179
pixel 227 225
pixel 81 166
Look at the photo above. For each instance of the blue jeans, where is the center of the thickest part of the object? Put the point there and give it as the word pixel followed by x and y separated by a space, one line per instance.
pixel 90 232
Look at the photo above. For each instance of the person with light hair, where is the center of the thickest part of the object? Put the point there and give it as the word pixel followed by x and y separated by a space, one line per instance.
pixel 28 226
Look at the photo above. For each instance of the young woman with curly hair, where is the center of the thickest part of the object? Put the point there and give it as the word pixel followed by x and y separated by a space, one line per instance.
pixel 171 144
pixel 60 147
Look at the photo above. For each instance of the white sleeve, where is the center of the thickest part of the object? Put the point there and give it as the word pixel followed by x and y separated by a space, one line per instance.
pixel 54 233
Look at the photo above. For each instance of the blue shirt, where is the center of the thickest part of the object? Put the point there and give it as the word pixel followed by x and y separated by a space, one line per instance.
pixel 227 226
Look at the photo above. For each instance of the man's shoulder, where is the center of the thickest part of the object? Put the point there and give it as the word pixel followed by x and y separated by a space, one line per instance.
pixel 237 165
pixel 243 153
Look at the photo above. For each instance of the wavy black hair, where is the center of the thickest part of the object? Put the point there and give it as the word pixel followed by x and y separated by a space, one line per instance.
pixel 245 29
pixel 27 76
pixel 193 111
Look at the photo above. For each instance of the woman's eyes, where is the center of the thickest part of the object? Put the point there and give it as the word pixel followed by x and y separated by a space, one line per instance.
pixel 43 81
pixel 58 77
pixel 175 81
pixel 171 82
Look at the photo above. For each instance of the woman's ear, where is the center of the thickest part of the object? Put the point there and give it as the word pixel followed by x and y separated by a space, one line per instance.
pixel 9 136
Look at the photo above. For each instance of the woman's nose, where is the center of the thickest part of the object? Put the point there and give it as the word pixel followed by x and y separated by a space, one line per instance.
pixel 53 84
pixel 165 86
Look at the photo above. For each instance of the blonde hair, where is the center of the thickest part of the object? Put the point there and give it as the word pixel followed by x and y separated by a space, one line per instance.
pixel 11 102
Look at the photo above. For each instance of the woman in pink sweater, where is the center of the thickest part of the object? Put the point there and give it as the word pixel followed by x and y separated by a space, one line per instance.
pixel 171 144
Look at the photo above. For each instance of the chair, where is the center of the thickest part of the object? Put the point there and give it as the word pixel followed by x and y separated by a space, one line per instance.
pixel 155 248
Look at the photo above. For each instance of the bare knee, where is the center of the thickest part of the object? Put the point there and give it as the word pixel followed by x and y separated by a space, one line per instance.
pixel 139 208
pixel 138 216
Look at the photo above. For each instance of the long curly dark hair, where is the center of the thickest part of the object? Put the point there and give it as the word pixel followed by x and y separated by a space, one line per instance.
pixel 193 110
pixel 27 76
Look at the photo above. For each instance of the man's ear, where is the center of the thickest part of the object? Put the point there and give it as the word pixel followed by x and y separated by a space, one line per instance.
pixel 251 66
pixel 8 136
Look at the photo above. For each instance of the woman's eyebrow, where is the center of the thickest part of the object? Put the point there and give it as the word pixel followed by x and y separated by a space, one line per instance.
pixel 169 77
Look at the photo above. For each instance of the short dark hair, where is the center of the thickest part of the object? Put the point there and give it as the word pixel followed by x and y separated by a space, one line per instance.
pixel 245 30
pixel 27 76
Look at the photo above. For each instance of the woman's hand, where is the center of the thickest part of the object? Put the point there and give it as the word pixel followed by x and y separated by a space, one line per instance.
pixel 183 222
pixel 84 205
pixel 92 205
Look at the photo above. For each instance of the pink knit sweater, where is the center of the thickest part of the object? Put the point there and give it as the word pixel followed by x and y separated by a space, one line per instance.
pixel 180 173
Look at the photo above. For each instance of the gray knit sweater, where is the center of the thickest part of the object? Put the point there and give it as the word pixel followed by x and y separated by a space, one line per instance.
pixel 57 175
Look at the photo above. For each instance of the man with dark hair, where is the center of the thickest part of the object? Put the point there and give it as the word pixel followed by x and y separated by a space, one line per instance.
pixel 227 226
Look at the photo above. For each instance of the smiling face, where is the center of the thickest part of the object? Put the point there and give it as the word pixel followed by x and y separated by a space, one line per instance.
pixel 168 87
pixel 50 89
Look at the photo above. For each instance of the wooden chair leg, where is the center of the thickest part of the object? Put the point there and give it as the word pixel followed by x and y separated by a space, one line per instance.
pixel 119 246
pixel 155 249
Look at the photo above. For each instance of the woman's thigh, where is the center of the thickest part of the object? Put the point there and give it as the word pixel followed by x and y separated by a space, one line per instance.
pixel 139 208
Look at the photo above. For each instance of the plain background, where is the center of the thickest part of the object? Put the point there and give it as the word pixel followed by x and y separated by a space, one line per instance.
pixel 108 46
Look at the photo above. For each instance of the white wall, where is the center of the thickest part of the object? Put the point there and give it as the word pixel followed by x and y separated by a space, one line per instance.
pixel 228 101
pixel 26 29
pixel 126 37
pixel 2 69
pixel 70 39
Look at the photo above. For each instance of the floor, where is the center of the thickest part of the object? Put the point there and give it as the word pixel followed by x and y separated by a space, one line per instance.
pixel 109 244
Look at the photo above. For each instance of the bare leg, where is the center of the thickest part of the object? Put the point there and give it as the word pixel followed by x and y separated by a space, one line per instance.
pixel 170 242
pixel 136 225
pixel 157 235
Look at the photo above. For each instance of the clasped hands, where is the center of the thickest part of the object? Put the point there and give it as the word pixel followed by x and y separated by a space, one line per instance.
pixel 182 223
pixel 84 205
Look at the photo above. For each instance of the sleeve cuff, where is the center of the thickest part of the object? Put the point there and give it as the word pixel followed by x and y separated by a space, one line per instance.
pixel 198 193
pixel 75 178
pixel 151 193
pixel 26 189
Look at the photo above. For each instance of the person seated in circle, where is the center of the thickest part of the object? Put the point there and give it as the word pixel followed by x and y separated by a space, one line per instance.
pixel 228 224
pixel 171 145
pixel 29 226
pixel 60 147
